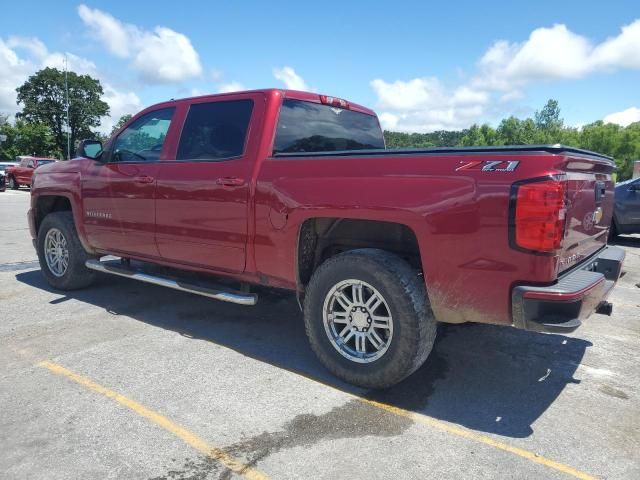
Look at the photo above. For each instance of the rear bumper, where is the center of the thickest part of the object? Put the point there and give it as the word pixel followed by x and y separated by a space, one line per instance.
pixel 562 307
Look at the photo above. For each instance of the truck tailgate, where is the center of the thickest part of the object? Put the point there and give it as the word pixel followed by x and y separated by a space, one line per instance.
pixel 589 207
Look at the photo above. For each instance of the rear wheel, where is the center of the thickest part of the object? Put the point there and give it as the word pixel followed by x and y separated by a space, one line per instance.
pixel 13 185
pixel 61 255
pixel 368 318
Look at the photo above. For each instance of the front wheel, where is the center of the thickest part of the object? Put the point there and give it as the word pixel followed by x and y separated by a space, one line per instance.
pixel 61 255
pixel 13 185
pixel 368 318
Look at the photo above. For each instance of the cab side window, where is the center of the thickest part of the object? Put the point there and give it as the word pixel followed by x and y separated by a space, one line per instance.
pixel 31 164
pixel 142 141
pixel 215 130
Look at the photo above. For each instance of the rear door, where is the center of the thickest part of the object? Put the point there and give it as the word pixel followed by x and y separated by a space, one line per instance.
pixel 27 173
pixel 119 193
pixel 202 191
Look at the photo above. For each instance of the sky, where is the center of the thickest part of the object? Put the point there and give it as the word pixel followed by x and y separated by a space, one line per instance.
pixel 423 66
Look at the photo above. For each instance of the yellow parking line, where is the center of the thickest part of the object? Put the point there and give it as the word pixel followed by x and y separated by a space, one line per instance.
pixel 440 425
pixel 236 466
pixel 182 433
pixel 468 434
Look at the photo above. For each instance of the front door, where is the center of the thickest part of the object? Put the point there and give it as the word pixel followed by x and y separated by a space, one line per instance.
pixel 119 192
pixel 201 197
pixel 629 211
pixel 23 174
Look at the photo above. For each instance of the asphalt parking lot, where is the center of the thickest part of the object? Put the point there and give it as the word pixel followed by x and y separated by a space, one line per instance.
pixel 127 380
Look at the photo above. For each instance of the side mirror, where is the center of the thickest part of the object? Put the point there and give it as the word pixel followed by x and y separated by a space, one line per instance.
pixel 90 149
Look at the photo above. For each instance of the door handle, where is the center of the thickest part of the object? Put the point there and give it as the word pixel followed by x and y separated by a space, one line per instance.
pixel 144 179
pixel 230 181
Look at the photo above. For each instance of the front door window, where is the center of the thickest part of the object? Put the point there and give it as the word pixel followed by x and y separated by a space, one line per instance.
pixel 142 141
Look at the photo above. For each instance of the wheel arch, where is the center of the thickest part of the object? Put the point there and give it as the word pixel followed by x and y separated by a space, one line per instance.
pixel 45 204
pixel 320 238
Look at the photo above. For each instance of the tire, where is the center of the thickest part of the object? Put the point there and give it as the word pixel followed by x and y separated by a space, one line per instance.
pixel 76 275
pixel 613 230
pixel 409 339
pixel 13 185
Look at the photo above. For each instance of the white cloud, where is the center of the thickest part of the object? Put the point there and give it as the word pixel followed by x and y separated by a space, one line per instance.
pixel 230 87
pixel 113 33
pixel 290 78
pixel 505 69
pixel 555 53
pixel 17 68
pixel 159 56
pixel 625 117
pixel 15 71
pixel 424 105
pixel 622 51
pixel 120 103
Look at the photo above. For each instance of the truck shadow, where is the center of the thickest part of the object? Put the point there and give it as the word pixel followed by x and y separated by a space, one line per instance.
pixel 486 378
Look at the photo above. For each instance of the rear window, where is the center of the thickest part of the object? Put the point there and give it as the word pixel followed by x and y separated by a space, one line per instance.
pixel 215 131
pixel 313 127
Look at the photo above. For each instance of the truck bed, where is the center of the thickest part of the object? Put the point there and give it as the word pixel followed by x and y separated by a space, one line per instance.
pixel 555 149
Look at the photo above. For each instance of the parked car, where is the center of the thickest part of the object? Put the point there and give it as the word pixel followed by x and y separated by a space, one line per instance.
pixel 21 173
pixel 626 213
pixel 3 177
pixel 296 190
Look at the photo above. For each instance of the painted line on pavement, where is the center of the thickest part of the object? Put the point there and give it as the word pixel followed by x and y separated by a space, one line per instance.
pixel 191 439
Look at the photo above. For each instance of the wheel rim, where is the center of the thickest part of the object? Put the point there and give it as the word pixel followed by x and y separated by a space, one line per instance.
pixel 357 321
pixel 56 252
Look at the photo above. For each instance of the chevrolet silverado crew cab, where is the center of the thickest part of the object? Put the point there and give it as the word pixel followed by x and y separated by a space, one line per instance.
pixel 296 191
pixel 21 173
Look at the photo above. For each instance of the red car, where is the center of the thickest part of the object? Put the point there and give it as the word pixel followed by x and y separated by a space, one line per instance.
pixel 297 191
pixel 21 173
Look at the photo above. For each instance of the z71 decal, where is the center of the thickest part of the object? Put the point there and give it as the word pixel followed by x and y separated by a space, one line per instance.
pixel 489 165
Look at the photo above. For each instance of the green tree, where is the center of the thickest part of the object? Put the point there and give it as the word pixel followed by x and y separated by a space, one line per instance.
pixel 123 119
pixel 513 131
pixel 548 122
pixel 25 138
pixel 479 135
pixel 43 100
pixel 546 127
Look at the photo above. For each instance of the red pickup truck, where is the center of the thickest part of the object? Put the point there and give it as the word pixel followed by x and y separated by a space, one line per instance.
pixel 21 173
pixel 296 190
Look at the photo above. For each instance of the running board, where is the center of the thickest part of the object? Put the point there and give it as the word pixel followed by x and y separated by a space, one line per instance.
pixel 240 298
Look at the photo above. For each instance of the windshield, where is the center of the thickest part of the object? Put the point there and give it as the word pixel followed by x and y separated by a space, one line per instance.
pixel 313 127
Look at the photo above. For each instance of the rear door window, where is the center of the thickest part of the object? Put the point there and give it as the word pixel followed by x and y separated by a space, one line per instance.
pixel 313 127
pixel 215 130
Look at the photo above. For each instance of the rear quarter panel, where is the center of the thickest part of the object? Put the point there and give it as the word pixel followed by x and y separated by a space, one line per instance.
pixel 460 219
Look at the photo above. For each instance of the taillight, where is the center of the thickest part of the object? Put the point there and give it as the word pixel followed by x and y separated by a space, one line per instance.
pixel 334 102
pixel 539 214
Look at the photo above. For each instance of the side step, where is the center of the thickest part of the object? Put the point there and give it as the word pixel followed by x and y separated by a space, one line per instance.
pixel 231 296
